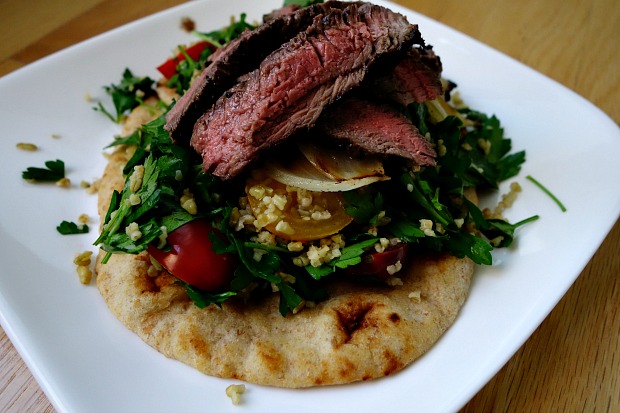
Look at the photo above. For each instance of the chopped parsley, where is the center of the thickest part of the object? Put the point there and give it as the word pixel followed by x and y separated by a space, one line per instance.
pixel 53 171
pixel 220 37
pixel 129 93
pixel 70 228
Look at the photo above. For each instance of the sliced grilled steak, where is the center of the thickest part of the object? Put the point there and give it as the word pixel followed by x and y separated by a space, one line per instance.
pixel 415 79
pixel 292 86
pixel 237 58
pixel 376 128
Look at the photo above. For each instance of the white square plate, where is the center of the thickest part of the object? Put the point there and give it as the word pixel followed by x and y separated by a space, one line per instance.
pixel 85 360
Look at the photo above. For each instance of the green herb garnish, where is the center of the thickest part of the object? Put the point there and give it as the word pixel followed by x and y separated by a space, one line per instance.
pixel 70 228
pixel 220 37
pixel 53 171
pixel 546 191
pixel 129 93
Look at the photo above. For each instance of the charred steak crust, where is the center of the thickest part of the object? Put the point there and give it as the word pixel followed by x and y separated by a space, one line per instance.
pixel 237 58
pixel 295 83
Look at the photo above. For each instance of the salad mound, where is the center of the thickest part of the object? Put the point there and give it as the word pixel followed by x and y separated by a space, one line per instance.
pixel 309 211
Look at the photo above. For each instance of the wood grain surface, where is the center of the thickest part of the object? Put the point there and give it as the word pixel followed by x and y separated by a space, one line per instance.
pixel 572 361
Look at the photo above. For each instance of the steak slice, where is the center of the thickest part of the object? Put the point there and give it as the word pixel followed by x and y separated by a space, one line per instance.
pixel 237 58
pixel 292 86
pixel 376 128
pixel 417 78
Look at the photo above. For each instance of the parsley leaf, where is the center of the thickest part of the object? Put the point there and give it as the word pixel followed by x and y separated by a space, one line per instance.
pixel 503 232
pixel 220 37
pixel 351 255
pixel 53 171
pixel 68 228
pixel 127 94
pixel 186 70
pixel 364 205
pixel 203 298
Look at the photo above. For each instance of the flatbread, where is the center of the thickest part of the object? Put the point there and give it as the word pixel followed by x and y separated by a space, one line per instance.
pixel 359 333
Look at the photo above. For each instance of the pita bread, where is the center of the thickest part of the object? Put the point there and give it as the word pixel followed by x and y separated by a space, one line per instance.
pixel 359 333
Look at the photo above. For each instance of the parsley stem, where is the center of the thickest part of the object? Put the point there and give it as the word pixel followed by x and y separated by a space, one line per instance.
pixel 546 191
pixel 526 220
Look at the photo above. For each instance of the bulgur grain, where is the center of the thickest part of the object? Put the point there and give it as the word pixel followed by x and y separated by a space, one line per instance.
pixel 188 202
pixel 93 188
pixel 426 225
pixel 234 391
pixel 24 146
pixel 63 183
pixel 295 246
pixel 393 269
pixel 133 231
pixel 134 199
pixel 85 275
pixel 485 145
pixel 285 228
pixel 83 258
pixel 135 180
pixel 415 296
pixel 163 236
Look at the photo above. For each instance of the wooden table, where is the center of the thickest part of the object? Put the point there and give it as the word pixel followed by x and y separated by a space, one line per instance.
pixel 572 361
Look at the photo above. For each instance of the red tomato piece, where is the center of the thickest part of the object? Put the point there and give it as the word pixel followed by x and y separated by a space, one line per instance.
pixel 169 67
pixel 376 263
pixel 192 258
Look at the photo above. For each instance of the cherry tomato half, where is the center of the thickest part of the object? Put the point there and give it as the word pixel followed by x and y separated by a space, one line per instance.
pixel 192 258
pixel 169 67
pixel 375 264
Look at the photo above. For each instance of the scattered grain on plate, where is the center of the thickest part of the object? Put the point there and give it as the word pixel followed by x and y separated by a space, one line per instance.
pixel 55 136
pixel 234 391
pixel 82 260
pixel 507 200
pixel 83 219
pixel 91 187
pixel 63 183
pixel 25 146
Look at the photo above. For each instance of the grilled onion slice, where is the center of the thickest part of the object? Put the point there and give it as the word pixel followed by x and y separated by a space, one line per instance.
pixel 322 170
